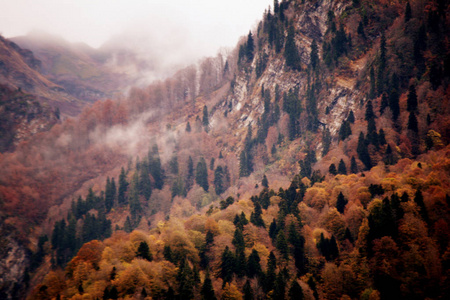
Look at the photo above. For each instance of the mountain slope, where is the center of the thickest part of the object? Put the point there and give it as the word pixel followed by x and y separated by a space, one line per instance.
pixel 311 160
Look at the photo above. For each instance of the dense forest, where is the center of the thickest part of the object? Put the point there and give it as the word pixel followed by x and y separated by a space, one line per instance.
pixel 310 162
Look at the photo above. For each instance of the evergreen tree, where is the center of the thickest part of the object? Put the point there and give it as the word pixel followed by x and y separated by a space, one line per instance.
pixel 412 98
pixel 384 102
pixel 332 169
pixel 190 175
pixel 351 117
pixel 173 164
pixel 363 152
pixel 186 281
pixel 238 240
pixel 345 131
pixel 326 141
pixel 218 180
pixel 154 164
pixel 341 203
pixel 369 111
pixel 201 174
pixel 408 12
pixel 418 199
pixel 123 186
pixel 255 217
pixel 273 230
pixel 188 127
pixel 342 169
pixel 279 290
pixel 265 182
pixel 295 291
pixel 109 195
pixel 250 46
pixel 282 245
pixel 298 243
pixel 245 158
pixel 143 251
pixel 353 166
pixel 145 186
pixel 227 266
pixel 381 137
pixel 248 291
pixel 291 52
pixel 412 123
pixel 394 103
pixel 253 264
pixel 207 291
pixel 271 273
pixel 314 56
pixel 205 120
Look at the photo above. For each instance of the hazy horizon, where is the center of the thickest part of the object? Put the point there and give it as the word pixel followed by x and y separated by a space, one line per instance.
pixel 199 26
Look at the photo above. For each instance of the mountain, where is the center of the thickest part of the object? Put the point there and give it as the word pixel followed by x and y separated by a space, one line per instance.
pixel 79 69
pixel 311 162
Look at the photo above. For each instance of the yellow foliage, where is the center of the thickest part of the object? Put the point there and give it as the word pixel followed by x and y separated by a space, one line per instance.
pixel 231 292
pixel 316 197
pixel 227 227
pixel 334 223
pixel 196 222
pixel 211 225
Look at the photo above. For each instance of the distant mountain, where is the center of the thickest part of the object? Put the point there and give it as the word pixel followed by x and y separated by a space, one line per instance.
pixel 82 71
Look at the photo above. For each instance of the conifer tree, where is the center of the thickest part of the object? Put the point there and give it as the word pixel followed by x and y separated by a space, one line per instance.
pixel 186 283
pixel 381 65
pixel 253 264
pixel 143 251
pixel 282 245
pixel 342 169
pixel 145 186
pixel 412 98
pixel 190 175
pixel 207 291
pixel 218 180
pixel 412 123
pixel 265 182
pixel 372 92
pixel 201 174
pixel 271 274
pixel 363 152
pixel 279 290
pixel 332 169
pixel 227 266
pixel 326 141
pixel 353 166
pixel 123 186
pixel 255 217
pixel 109 194
pixel 238 240
pixel 291 52
pixel 250 46
pixel 205 120
pixel 351 117
pixel 314 56
pixel 295 291
pixel 188 127
pixel 381 137
pixel 154 165
pixel 408 12
pixel 248 291
pixel 341 203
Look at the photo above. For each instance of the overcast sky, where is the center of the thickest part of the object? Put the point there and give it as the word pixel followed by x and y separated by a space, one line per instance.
pixel 209 24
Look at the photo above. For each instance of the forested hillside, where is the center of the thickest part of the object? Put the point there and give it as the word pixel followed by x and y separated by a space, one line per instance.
pixel 310 162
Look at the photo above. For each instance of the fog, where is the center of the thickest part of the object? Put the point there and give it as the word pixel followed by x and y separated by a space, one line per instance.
pixel 193 28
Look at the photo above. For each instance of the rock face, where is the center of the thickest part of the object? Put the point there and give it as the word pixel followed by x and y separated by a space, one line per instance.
pixel 14 261
pixel 22 116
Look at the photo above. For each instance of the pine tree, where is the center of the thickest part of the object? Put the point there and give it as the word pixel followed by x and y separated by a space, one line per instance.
pixel 227 266
pixel 282 245
pixel 186 281
pixel 381 137
pixel 109 194
pixel 332 169
pixel 205 120
pixel 408 12
pixel 353 166
pixel 381 65
pixel 314 56
pixel 279 290
pixel 372 92
pixel 253 264
pixel 394 103
pixel 271 275
pixel 250 47
pixel 341 203
pixel 201 174
pixel 190 175
pixel 342 169
pixel 256 218
pixel 238 240
pixel 412 123
pixel 207 291
pixel 326 141
pixel 145 186
pixel 248 291
pixel 265 182
pixel 218 180
pixel 363 152
pixel 188 127
pixel 154 165
pixel 143 251
pixel 412 99
pixel 291 52
pixel 123 186
pixel 295 291
pixel 351 117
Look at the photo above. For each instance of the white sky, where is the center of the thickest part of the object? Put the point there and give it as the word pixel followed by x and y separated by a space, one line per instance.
pixel 210 24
